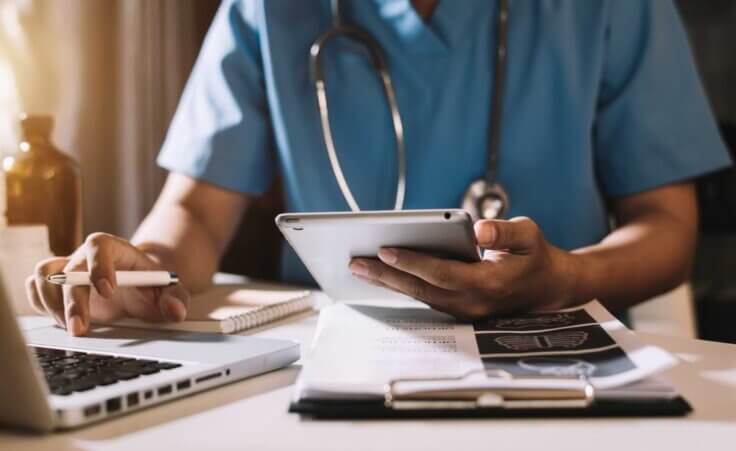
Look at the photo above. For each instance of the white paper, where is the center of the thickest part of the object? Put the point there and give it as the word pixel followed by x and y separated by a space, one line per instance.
pixel 360 348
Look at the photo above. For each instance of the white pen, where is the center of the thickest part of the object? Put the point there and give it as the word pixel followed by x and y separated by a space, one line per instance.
pixel 124 278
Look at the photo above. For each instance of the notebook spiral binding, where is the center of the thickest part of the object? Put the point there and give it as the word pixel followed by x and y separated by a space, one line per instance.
pixel 269 313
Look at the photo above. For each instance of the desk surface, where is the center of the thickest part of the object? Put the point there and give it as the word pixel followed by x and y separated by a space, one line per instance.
pixel 252 414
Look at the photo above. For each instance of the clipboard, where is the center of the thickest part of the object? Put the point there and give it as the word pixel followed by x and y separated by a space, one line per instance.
pixel 501 395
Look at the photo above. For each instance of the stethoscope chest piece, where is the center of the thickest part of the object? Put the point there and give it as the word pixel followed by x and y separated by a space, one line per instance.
pixel 485 200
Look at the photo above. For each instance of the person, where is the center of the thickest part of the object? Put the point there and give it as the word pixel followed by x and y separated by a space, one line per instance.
pixel 605 125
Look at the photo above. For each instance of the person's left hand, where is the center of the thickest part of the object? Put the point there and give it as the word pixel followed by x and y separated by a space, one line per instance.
pixel 520 271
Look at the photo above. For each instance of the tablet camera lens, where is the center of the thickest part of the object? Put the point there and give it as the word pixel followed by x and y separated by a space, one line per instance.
pixel 447 215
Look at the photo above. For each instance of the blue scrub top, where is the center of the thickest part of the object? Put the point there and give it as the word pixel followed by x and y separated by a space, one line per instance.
pixel 602 100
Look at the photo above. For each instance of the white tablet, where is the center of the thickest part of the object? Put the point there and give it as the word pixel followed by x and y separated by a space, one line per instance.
pixel 326 242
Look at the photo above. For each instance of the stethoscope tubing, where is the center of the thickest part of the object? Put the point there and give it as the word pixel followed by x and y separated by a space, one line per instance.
pixel 482 191
pixel 380 65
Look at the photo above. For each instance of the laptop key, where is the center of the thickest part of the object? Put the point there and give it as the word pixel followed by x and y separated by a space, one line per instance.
pixel 123 360
pixel 67 361
pixel 83 384
pixel 145 362
pixel 151 369
pixel 58 381
pixel 61 391
pixel 74 373
pixel 51 371
pixel 134 368
pixel 101 379
pixel 105 379
pixel 126 375
pixel 99 358
pixel 50 358
pixel 49 351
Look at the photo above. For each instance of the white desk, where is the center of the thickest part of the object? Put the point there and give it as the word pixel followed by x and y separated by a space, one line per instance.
pixel 252 415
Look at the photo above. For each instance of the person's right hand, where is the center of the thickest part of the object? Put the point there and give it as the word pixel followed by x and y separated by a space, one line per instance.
pixel 101 255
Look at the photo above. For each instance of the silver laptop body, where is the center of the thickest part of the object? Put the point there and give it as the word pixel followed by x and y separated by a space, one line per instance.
pixel 51 380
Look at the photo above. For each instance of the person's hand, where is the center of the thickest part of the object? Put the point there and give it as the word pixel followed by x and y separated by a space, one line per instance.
pixel 520 271
pixel 101 254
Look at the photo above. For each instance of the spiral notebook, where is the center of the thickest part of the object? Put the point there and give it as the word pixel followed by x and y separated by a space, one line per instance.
pixel 230 309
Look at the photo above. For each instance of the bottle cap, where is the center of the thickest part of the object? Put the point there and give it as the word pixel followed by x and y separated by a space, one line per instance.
pixel 36 125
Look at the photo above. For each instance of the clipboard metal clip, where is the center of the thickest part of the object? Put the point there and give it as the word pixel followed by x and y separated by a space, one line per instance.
pixel 489 389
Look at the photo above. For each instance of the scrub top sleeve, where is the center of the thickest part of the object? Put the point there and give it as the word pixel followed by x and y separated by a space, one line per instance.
pixel 653 124
pixel 221 130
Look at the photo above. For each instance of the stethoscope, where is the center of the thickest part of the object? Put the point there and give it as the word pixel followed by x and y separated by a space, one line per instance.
pixel 485 198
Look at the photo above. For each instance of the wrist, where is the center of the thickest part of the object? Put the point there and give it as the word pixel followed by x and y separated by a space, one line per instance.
pixel 583 272
pixel 569 277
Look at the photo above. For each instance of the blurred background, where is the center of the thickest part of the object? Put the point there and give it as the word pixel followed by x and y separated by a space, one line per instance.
pixel 111 72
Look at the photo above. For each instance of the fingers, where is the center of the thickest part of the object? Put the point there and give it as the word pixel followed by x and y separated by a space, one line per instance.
pixel 100 264
pixel 76 309
pixel 141 303
pixel 447 274
pixel 400 281
pixel 517 235
pixel 68 306
pixel 468 304
pixel 51 297
pixel 379 274
pixel 76 299
pixel 155 304
pixel 174 303
pixel 33 297
pixel 371 281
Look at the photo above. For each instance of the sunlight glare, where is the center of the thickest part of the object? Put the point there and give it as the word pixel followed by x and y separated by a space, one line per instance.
pixel 10 35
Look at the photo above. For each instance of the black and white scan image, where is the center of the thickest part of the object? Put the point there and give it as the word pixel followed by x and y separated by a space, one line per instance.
pixel 573 339
pixel 535 321
pixel 594 364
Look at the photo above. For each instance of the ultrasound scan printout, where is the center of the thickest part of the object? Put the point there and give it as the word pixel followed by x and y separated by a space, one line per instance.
pixel 563 344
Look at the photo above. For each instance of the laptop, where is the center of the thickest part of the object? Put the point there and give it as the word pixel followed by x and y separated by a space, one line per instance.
pixel 51 380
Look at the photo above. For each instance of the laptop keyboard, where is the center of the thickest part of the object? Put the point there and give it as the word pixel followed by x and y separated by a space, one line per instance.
pixel 67 372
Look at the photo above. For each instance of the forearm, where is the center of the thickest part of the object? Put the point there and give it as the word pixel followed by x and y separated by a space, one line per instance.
pixel 189 228
pixel 175 238
pixel 650 253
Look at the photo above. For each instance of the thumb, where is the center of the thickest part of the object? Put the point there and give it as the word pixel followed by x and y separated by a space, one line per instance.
pixel 517 234
pixel 174 303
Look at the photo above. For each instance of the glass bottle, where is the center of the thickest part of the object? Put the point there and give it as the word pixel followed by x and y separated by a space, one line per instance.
pixel 44 186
